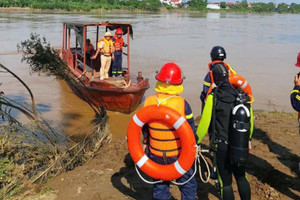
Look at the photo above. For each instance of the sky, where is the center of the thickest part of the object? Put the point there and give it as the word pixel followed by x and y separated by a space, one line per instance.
pixel 264 1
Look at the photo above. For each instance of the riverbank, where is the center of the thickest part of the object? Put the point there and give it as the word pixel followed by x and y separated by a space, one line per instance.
pixel 131 11
pixel 272 170
pixel 60 11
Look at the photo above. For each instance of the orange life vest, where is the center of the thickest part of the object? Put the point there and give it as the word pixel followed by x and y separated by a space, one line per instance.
pixel 119 42
pixel 164 141
pixel 230 70
pixel 235 80
pixel 107 47
pixel 90 48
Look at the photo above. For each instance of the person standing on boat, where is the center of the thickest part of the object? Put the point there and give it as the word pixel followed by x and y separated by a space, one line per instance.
pixel 217 55
pixel 118 45
pixel 162 141
pixel 89 50
pixel 106 47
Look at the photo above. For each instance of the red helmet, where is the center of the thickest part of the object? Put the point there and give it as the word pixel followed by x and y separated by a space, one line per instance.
pixel 119 31
pixel 298 60
pixel 170 73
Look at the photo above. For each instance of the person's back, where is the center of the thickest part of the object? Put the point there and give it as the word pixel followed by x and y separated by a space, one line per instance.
pixel 162 140
pixel 225 96
pixel 219 108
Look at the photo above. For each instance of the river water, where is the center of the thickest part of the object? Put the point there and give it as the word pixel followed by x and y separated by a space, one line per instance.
pixel 261 47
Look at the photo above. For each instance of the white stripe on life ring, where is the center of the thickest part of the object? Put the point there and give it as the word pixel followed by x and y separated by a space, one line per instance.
pixel 179 168
pixel 240 82
pixel 244 85
pixel 138 121
pixel 179 122
pixel 142 161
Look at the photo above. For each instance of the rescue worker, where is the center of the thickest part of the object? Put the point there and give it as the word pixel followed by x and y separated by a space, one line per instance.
pixel 118 45
pixel 216 117
pixel 89 50
pixel 162 141
pixel 295 93
pixel 217 55
pixel 106 47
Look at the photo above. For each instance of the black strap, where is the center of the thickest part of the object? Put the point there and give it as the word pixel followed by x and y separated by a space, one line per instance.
pixel 241 125
pixel 170 150
pixel 165 158
pixel 162 129
pixel 164 140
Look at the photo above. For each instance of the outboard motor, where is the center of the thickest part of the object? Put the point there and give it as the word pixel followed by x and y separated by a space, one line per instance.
pixel 240 131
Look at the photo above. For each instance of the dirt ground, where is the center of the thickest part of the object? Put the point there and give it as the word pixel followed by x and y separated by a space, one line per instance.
pixel 272 169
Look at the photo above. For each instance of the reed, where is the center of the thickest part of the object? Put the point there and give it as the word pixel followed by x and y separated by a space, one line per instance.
pixel 33 153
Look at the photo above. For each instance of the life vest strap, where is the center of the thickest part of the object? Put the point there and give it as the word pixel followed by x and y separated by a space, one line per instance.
pixel 161 129
pixel 169 150
pixel 164 140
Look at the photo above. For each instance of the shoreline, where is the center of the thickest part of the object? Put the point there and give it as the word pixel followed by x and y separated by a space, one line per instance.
pixel 127 11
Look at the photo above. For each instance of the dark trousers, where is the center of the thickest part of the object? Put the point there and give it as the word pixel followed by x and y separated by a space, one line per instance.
pixel 117 63
pixel 225 170
pixel 161 190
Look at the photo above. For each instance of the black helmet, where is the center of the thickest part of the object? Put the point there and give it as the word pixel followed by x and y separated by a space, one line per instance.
pixel 220 73
pixel 218 53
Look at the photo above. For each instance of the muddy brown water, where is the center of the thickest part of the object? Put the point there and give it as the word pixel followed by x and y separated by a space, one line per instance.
pixel 261 47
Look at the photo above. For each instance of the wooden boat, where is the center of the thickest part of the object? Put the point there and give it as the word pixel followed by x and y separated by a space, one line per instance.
pixel 115 94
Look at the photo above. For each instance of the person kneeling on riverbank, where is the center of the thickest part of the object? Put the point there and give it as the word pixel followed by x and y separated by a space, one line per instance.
pixel 227 115
pixel 162 141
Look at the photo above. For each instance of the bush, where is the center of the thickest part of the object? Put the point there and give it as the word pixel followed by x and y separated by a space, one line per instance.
pixel 283 8
pixel 223 5
pixel 198 4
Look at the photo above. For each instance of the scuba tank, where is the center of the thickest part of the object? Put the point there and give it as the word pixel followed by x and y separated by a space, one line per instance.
pixel 240 130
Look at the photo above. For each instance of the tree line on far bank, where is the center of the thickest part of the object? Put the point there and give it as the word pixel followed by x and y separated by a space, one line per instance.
pixel 148 5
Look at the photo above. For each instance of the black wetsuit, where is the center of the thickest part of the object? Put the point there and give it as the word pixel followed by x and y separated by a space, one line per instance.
pixel 225 98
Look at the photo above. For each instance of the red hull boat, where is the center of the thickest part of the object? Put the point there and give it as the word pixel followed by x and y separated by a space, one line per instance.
pixel 116 94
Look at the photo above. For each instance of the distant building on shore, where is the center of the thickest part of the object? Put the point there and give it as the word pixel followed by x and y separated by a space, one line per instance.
pixel 173 3
pixel 215 6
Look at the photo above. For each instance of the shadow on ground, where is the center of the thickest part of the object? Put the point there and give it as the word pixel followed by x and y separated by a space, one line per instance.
pixel 129 183
pixel 267 173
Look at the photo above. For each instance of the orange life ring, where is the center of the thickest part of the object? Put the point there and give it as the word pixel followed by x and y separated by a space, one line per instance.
pixel 240 82
pixel 236 81
pixel 188 144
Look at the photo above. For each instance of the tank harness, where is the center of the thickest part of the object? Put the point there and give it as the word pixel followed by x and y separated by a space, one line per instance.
pixel 237 81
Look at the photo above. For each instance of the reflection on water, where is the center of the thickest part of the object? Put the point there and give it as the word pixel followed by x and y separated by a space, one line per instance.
pixel 261 47
pixel 76 114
